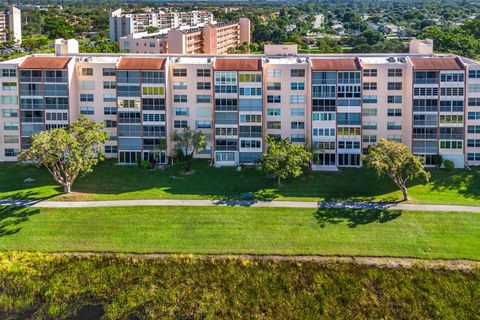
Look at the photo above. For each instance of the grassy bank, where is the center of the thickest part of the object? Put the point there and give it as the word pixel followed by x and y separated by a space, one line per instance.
pixel 43 286
pixel 242 230
pixel 113 182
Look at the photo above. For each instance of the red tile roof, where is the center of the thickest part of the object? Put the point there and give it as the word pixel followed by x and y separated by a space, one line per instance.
pixel 141 63
pixel 237 64
pixel 335 64
pixel 436 63
pixel 45 63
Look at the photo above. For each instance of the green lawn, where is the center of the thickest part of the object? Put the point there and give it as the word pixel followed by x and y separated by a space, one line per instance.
pixel 36 286
pixel 242 230
pixel 113 182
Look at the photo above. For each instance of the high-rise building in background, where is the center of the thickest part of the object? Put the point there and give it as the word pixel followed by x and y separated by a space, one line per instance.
pixel 11 25
pixel 336 105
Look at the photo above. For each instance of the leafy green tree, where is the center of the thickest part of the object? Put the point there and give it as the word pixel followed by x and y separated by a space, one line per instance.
pixel 187 142
pixel 397 162
pixel 67 152
pixel 151 29
pixel 58 28
pixel 285 159
pixel 328 45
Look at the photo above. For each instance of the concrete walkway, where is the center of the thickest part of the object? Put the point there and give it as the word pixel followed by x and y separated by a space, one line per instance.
pixel 241 203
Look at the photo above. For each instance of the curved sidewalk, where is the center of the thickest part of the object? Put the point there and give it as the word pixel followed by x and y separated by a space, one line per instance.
pixel 241 203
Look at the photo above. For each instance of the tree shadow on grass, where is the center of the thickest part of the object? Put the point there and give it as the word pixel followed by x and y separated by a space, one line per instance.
pixel 464 182
pixel 355 217
pixel 12 216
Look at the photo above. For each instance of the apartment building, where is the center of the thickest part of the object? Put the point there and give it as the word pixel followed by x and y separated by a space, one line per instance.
pixel 335 105
pixel 212 38
pixel 122 24
pixel 11 25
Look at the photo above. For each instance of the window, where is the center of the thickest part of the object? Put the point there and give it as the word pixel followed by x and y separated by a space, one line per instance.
pixel 323 132
pixel 110 123
pixel 129 104
pixel 86 97
pixel 451 119
pixel 394 126
pixel 109 97
pixel 297 73
pixel 180 85
pixel 425 91
pixel 474 116
pixel 394 112
pixel 349 145
pixel 394 99
pixel 370 72
pixel 394 72
pixel 109 110
pixel 153 91
pixel 180 124
pixel 394 137
pixel 474 74
pixel 297 99
pixel 369 112
pixel 250 144
pixel 8 100
pixel 425 77
pixel 9 73
pixel 274 86
pixel 87 72
pixel 473 129
pixel 226 77
pixel 225 89
pixel 451 77
pixel 179 72
pixel 250 77
pixel 369 99
pixel 10 126
pixel 451 105
pixel 474 102
pixel 204 112
pixel 274 125
pixel 274 73
pixel 448 144
pixel 473 143
pixel 369 138
pixel 297 125
pixel 323 116
pixel 203 124
pixel 109 84
pixel 9 86
pixel 473 156
pixel 297 137
pixel 86 110
pixel 204 86
pixel 153 77
pixel 273 111
pixel 297 112
pixel 369 125
pixel 87 85
pixel 250 118
pixel 109 72
pixel 250 91
pixel 15 139
pixel 297 86
pixel 203 72
pixel 273 99
pixel 204 98
pixel 349 77
pixel 110 149
pixel 179 98
pixel 226 131
pixel 457 91
pixel 9 152
pixel 394 86
pixel 181 111
pixel 9 113
pixel 369 86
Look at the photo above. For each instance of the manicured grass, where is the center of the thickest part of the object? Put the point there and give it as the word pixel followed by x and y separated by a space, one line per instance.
pixel 66 287
pixel 242 230
pixel 113 182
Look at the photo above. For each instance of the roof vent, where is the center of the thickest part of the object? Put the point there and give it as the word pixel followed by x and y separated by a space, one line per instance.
pixel 299 60
pixel 402 60
pixel 209 60
pixel 391 59
pixel 267 60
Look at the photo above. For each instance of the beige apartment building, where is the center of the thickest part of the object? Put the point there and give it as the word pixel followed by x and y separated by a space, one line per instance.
pixel 336 105
pixel 11 25
pixel 212 38
pixel 122 24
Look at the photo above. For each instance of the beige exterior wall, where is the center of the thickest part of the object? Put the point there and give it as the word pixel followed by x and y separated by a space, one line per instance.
pixel 286 110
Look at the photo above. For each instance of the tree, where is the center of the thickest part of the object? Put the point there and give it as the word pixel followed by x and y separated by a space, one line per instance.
pixel 187 142
pixel 285 159
pixel 397 162
pixel 67 152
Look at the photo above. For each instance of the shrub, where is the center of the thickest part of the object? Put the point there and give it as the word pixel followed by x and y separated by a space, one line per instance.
pixel 143 164
pixel 438 160
pixel 448 165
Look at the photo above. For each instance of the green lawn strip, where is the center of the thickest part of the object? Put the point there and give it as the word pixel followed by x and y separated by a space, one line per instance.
pixel 218 230
pixel 113 182
pixel 60 286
